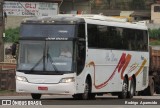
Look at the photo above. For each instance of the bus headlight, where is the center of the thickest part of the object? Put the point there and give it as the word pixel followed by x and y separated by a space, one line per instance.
pixel 21 78
pixel 67 80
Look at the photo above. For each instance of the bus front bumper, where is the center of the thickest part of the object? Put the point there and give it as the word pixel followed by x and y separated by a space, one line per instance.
pixel 59 88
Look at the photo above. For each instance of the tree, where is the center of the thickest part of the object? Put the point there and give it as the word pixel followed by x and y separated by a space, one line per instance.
pixel 109 3
pixel 137 4
pixel 1 32
pixel 12 35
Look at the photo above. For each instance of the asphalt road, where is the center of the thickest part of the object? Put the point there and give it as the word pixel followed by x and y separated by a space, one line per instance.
pixel 64 101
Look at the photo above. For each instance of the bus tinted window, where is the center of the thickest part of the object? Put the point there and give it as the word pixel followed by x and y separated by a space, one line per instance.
pixel 136 39
pixel 109 37
pixel 100 36
pixel 46 30
pixel 92 35
pixel 81 31
pixel 81 48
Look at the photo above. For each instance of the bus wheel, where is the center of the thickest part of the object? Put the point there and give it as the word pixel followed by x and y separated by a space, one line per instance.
pixel 132 89
pixel 157 89
pixel 92 96
pixel 150 89
pixel 36 96
pixel 137 93
pixel 87 89
pixel 123 94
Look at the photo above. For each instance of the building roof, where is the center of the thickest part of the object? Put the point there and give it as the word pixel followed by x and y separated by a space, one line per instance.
pixel 46 0
pixel 107 12
pixel 141 14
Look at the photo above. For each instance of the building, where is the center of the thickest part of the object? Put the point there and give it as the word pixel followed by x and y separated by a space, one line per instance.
pixel 155 13
pixel 64 6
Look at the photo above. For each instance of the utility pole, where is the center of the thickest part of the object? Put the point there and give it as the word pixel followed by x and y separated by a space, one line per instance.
pixel 1 32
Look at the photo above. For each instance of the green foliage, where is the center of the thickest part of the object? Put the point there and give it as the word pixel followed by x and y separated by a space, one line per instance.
pixel 154 34
pixel 137 4
pixel 157 42
pixel 12 35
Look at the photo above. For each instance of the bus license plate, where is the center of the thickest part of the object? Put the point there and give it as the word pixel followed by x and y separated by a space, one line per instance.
pixel 42 88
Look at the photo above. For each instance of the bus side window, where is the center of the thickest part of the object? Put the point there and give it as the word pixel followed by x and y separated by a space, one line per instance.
pixel 81 44
pixel 81 31
pixel 93 38
pixel 80 57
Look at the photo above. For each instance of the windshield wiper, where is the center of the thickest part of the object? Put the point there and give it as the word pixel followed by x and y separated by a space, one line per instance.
pixel 36 64
pixel 51 60
pixel 43 58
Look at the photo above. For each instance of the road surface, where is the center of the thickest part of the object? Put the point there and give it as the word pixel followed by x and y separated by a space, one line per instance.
pixel 64 101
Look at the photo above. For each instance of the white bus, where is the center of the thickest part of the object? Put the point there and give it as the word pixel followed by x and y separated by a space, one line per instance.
pixel 106 55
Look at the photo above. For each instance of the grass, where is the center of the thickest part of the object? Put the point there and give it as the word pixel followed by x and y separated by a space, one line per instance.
pixel 11 93
pixel 155 42
pixel 2 92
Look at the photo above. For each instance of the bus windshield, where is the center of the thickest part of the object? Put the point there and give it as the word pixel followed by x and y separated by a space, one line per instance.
pixel 45 57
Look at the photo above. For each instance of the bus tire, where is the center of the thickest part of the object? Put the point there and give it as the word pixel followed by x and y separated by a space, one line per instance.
pixel 123 94
pixel 157 89
pixel 137 93
pixel 35 96
pixel 131 92
pixel 87 90
pixel 92 96
pixel 77 96
pixel 150 88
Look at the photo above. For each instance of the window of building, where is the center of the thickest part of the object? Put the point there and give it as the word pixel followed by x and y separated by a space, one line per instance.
pixel 156 8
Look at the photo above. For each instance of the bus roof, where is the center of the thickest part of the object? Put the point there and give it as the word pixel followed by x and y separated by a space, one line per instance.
pixel 56 18
pixel 112 21
pixel 88 18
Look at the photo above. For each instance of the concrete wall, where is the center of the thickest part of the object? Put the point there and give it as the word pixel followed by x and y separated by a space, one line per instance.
pixel 8 58
pixel 13 21
pixel 83 6
pixel 126 13
pixel 75 6
pixel 157 47
pixel 153 26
